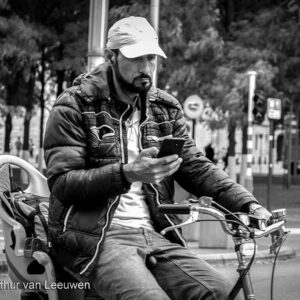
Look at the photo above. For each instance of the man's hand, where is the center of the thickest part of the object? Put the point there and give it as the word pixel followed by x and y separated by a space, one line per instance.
pixel 259 211
pixel 149 169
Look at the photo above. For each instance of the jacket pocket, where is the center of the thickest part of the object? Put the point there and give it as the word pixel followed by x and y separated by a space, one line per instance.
pixel 153 133
pixel 103 144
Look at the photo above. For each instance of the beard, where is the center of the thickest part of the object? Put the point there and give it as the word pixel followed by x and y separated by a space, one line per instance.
pixel 140 84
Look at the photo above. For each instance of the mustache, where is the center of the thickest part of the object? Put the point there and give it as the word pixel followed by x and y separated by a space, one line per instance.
pixel 143 76
pixel 142 81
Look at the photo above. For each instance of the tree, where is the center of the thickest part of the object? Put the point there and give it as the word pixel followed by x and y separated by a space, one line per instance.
pixel 66 44
pixel 62 43
pixel 17 61
pixel 272 50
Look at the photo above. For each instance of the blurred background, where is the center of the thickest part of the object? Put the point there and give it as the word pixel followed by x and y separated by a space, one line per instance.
pixel 234 66
pixel 211 47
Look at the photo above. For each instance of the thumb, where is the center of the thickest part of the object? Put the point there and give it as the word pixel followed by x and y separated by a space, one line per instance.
pixel 149 152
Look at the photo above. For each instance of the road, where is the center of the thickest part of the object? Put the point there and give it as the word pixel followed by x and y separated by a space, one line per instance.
pixel 286 282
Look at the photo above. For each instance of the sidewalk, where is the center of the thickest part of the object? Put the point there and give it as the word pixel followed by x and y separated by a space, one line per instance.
pixel 228 256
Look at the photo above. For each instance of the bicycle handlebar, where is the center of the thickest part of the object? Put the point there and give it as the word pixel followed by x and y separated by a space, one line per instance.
pixel 183 209
pixel 204 207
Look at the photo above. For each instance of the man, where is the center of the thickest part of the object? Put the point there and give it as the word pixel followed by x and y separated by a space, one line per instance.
pixel 101 143
pixel 209 152
pixel 18 145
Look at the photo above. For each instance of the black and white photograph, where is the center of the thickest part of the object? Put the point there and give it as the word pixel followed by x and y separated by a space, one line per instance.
pixel 149 149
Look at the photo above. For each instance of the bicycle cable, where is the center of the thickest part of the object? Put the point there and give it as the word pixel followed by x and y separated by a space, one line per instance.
pixel 274 265
pixel 238 221
pixel 238 284
pixel 246 270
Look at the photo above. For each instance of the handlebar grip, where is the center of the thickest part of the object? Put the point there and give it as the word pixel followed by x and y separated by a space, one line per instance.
pixel 183 209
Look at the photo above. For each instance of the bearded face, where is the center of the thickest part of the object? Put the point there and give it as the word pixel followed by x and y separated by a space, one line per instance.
pixel 135 74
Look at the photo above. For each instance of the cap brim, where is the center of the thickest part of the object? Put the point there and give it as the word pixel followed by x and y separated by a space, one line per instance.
pixel 140 49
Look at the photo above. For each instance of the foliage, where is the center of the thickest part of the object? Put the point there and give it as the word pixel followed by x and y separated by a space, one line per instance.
pixel 192 44
pixel 18 56
pixel 262 37
pixel 211 45
pixel 64 28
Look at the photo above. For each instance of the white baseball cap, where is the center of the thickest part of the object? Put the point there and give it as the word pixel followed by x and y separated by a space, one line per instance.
pixel 134 37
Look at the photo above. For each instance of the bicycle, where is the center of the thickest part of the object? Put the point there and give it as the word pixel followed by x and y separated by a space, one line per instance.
pixel 243 228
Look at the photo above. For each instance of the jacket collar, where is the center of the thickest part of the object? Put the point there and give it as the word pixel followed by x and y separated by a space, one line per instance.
pixel 95 85
pixel 99 83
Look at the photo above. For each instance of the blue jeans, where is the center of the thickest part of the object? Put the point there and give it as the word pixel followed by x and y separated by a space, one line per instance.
pixel 124 271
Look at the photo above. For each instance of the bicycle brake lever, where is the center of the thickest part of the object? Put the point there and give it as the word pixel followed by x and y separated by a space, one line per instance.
pixel 194 217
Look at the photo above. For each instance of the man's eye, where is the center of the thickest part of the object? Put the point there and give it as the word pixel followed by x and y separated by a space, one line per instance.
pixel 134 59
pixel 151 57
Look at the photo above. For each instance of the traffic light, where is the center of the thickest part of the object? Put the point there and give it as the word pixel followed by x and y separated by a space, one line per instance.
pixel 259 107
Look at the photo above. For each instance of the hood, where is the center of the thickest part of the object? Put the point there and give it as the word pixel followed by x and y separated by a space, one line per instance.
pixel 94 85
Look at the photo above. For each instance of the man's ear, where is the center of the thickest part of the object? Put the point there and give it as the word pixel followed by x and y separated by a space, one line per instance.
pixel 110 55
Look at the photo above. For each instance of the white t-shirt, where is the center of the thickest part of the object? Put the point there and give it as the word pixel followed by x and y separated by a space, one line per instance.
pixel 132 210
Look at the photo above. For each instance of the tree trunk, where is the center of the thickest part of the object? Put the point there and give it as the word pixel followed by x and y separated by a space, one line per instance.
pixel 71 78
pixel 42 105
pixel 8 129
pixel 244 155
pixel 60 73
pixel 60 81
pixel 231 150
pixel 230 9
pixel 27 120
pixel 28 114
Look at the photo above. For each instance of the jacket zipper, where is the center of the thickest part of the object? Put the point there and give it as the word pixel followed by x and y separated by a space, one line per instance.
pixel 67 217
pixel 116 199
pixel 101 237
pixel 140 133
pixel 121 134
pixel 156 192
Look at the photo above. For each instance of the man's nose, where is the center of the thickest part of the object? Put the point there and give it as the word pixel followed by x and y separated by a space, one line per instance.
pixel 145 67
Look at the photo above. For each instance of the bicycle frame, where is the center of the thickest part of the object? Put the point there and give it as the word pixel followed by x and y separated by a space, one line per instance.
pixel 242 227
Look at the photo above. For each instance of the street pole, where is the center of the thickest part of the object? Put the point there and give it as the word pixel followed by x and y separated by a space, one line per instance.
pixel 296 146
pixel 97 32
pixel 271 143
pixel 249 176
pixel 154 16
pixel 194 129
pixel 260 152
pixel 289 159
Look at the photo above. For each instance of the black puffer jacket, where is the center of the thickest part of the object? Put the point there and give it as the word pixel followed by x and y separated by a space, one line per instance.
pixel 85 142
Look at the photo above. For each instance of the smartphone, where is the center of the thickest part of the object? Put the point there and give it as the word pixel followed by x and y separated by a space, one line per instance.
pixel 171 146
